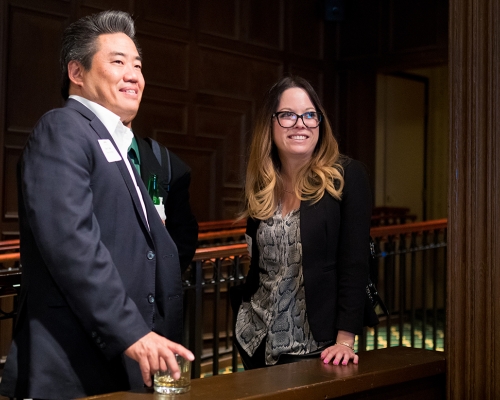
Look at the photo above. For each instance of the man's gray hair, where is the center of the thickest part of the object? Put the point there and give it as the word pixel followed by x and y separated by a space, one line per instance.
pixel 79 41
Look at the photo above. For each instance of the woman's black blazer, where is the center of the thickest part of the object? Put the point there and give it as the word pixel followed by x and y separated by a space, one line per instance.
pixel 335 252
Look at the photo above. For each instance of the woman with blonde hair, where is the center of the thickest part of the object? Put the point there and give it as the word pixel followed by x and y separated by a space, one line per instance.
pixel 308 233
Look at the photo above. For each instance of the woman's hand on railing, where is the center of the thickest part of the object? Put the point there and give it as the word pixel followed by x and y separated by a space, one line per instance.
pixel 342 351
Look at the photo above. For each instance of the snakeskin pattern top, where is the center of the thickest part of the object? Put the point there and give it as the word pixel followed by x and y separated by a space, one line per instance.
pixel 277 311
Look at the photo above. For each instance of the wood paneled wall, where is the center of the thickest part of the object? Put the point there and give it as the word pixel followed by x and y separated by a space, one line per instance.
pixel 207 65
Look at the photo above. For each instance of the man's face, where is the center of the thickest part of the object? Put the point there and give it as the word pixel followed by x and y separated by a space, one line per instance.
pixel 115 79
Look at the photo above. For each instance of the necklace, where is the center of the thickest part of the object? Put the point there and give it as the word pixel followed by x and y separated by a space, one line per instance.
pixel 287 191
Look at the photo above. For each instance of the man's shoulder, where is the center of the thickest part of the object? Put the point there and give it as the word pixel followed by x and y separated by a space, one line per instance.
pixel 69 110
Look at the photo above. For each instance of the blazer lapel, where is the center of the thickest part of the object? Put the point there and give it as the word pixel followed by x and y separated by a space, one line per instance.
pixel 103 133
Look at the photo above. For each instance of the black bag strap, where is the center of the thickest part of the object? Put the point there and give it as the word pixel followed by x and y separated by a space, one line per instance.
pixel 163 156
pixel 156 149
pixel 371 289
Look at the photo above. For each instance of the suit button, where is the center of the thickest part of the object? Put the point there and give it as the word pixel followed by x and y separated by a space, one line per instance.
pixel 151 255
pixel 151 299
pixel 102 345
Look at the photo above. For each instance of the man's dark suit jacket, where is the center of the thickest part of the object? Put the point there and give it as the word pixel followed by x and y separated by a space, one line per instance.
pixel 335 250
pixel 181 223
pixel 95 277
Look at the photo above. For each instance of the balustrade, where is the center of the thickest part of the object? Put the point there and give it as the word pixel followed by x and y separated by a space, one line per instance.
pixel 410 275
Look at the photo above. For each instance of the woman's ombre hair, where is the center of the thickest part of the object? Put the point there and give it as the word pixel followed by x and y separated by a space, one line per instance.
pixel 264 183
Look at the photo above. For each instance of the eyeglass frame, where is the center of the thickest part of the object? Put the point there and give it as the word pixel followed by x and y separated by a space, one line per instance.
pixel 301 116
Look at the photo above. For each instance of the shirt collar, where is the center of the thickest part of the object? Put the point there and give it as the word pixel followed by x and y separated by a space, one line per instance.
pixel 108 118
pixel 119 132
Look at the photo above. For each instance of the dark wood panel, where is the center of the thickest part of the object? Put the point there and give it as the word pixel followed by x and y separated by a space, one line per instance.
pixel 206 62
pixel 157 116
pixel 107 4
pixel 219 17
pixel 165 12
pixel 216 154
pixel 166 62
pixel 204 198
pixel 227 125
pixel 56 7
pixel 32 66
pixel 263 74
pixel 16 139
pixel 414 25
pixel 9 193
pixel 262 23
pixel 240 47
pixel 233 206
pixel 359 32
pixel 305 26
pixel 383 33
pixel 356 115
pixel 234 75
pixel 314 77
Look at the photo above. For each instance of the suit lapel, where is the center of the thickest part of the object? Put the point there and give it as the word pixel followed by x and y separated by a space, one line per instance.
pixel 101 131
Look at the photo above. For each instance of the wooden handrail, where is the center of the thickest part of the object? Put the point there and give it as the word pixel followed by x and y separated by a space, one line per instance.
pixel 207 226
pixel 8 245
pixel 384 231
pixel 9 257
pixel 386 373
pixel 210 235
pixel 239 249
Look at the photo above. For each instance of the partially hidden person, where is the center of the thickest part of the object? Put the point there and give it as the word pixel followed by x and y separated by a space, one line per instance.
pixel 174 178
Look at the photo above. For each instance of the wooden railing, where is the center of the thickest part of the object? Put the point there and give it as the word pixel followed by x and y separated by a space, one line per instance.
pixel 408 256
pixel 231 231
pixel 224 232
pixel 221 225
pixel 393 373
pixel 410 276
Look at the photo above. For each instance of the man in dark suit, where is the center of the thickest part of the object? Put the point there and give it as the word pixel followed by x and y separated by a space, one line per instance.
pixel 101 289
pixel 174 178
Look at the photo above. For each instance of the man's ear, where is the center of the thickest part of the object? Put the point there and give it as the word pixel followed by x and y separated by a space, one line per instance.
pixel 75 72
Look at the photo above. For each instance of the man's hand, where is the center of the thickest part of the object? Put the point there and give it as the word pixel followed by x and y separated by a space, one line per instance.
pixel 154 352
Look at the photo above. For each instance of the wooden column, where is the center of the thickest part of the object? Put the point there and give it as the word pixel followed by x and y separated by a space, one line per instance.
pixel 473 285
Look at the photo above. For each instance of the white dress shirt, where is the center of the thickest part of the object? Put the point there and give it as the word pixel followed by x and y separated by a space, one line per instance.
pixel 120 134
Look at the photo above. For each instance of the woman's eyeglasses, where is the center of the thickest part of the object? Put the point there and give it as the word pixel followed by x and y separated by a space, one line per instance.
pixel 288 119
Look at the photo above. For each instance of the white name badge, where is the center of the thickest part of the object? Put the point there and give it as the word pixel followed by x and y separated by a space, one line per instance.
pixel 109 150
